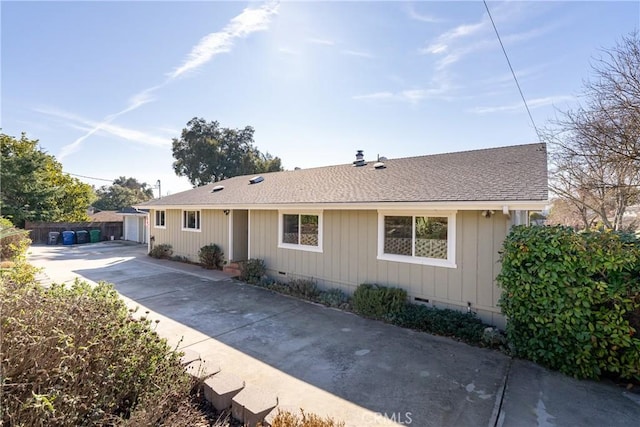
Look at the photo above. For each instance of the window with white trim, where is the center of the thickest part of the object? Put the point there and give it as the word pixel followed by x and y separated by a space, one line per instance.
pixel 160 218
pixel 191 220
pixel 300 230
pixel 419 238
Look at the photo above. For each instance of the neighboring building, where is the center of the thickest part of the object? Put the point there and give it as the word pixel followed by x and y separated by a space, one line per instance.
pixel 105 216
pixel 432 225
pixel 136 222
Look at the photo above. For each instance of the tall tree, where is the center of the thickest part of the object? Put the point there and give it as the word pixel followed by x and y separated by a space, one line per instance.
pixel 34 187
pixel 207 153
pixel 123 193
pixel 595 149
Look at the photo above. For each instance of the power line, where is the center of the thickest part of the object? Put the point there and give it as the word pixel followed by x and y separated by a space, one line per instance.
pixel 512 72
pixel 89 177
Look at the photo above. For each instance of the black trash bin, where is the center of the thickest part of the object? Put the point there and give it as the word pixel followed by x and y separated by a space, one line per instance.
pixel 82 236
pixel 53 238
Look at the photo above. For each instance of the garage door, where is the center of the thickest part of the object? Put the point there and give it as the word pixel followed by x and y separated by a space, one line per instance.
pixel 131 228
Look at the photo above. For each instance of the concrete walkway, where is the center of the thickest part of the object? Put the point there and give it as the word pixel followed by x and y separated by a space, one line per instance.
pixel 333 363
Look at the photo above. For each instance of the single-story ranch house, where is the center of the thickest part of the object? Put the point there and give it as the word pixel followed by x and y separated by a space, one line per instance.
pixel 432 225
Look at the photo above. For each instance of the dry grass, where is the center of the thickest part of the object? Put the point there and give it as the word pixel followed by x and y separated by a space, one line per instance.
pixel 289 419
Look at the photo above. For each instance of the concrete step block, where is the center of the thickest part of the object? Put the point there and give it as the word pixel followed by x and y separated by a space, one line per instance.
pixel 234 271
pixel 221 388
pixel 252 405
pixel 189 356
pixel 208 369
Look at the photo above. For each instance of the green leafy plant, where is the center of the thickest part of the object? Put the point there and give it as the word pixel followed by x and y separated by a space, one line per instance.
pixel 252 271
pixel 334 297
pixel 14 242
pixel 161 251
pixel 211 257
pixel 378 302
pixel 303 288
pixel 75 355
pixel 465 326
pixel 573 300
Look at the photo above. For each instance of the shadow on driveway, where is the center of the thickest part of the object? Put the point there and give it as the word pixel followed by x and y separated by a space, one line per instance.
pixel 410 377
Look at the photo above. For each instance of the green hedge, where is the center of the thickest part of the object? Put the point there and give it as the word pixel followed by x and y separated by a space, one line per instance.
pixel 378 302
pixel 572 300
pixel 465 326
pixel 211 257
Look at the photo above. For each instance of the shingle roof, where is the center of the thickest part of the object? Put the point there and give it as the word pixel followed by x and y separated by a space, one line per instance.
pixel 515 173
pixel 130 210
pixel 106 216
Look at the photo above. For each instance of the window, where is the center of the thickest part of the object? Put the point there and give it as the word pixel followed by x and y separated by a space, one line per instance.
pixel 160 219
pixel 301 231
pixel 419 238
pixel 191 220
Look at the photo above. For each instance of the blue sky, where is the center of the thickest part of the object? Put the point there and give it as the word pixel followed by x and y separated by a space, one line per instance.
pixel 105 86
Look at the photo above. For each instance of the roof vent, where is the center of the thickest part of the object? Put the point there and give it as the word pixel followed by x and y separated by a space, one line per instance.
pixel 359 161
pixel 217 188
pixel 379 165
pixel 256 179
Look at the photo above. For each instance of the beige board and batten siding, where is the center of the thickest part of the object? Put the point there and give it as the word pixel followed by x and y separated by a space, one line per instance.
pixel 214 228
pixel 349 258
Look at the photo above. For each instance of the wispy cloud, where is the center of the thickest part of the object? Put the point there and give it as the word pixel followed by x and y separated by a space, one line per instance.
pixel 462 40
pixel 92 127
pixel 249 21
pixel 519 106
pixel 412 96
pixel 375 95
pixel 324 42
pixel 419 16
pixel 358 53
pixel 288 51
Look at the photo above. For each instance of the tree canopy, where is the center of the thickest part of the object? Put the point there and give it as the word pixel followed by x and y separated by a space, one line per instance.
pixel 595 149
pixel 123 193
pixel 34 187
pixel 206 153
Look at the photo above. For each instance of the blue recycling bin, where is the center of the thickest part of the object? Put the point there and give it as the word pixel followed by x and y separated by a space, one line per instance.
pixel 68 237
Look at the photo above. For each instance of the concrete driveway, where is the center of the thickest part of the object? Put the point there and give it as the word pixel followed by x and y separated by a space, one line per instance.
pixel 333 363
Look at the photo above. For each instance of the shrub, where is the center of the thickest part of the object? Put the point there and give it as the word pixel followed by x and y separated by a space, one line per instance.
pixel 211 257
pixel 73 355
pixel 378 302
pixel 289 419
pixel 161 251
pixel 14 242
pixel 334 297
pixel 573 300
pixel 252 270
pixel 304 288
pixel 466 326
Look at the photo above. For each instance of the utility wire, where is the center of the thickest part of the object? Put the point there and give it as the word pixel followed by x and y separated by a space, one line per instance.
pixel 512 72
pixel 89 177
